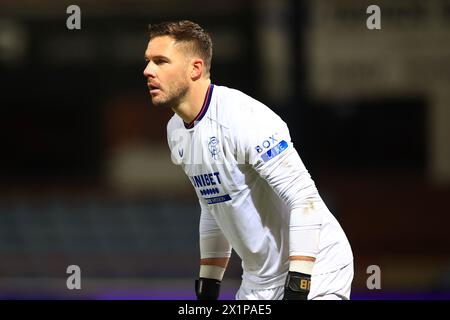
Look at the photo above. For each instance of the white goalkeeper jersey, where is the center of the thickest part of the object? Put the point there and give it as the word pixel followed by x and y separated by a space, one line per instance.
pixel 248 177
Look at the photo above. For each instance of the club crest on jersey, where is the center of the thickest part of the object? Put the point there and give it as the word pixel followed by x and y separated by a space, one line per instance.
pixel 213 147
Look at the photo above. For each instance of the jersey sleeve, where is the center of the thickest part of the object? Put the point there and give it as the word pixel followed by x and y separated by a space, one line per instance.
pixel 213 243
pixel 268 148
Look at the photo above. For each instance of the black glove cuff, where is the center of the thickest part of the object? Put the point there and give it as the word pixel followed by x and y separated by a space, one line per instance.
pixel 297 286
pixel 207 289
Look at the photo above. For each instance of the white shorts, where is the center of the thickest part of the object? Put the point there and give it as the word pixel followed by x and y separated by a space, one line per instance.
pixel 335 285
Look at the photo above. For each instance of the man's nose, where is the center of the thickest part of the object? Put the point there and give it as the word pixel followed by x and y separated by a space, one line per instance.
pixel 149 71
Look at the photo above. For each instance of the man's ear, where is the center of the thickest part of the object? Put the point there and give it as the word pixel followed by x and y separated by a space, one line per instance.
pixel 197 66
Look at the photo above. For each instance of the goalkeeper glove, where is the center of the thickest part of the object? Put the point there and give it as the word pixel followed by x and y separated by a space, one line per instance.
pixel 207 289
pixel 297 286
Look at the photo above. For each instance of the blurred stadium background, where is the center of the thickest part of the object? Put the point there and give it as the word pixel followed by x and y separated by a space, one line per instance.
pixel 85 173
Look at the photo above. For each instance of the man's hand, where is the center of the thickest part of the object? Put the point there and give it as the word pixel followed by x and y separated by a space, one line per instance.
pixel 207 286
pixel 297 286
pixel 207 289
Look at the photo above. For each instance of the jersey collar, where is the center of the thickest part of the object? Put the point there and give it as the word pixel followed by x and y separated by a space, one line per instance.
pixel 203 110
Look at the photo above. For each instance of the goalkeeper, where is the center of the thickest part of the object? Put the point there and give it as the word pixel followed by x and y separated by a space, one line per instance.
pixel 255 194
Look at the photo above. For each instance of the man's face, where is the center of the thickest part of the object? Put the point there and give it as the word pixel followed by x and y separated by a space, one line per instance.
pixel 166 72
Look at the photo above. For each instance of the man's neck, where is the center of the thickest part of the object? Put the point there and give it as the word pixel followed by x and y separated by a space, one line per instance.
pixel 191 106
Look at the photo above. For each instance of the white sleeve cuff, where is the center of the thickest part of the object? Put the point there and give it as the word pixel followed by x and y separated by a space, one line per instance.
pixel 211 272
pixel 304 233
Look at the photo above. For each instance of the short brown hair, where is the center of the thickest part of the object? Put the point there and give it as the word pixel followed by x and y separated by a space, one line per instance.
pixel 186 31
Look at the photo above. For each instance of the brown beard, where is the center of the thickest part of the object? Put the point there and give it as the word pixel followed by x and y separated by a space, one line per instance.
pixel 174 99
